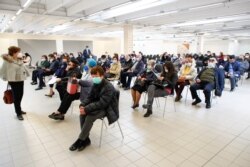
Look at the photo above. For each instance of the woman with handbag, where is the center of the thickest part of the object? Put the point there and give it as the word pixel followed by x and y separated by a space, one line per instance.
pixel 14 71
pixel 163 86
pixel 143 81
pixel 186 76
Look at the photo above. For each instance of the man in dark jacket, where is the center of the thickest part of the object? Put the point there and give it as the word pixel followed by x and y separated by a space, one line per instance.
pixel 101 102
pixel 136 69
pixel 232 71
pixel 54 65
pixel 208 79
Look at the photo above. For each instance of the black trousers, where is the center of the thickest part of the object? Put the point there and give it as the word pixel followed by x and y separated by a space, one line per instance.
pixel 66 102
pixel 126 78
pixel 61 90
pixel 34 75
pixel 41 73
pixel 17 90
pixel 180 86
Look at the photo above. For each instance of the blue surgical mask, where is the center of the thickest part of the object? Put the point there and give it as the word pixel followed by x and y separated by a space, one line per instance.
pixel 96 80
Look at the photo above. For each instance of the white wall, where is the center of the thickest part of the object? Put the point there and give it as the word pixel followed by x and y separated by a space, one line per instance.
pixel 108 45
pixel 244 46
pixel 74 47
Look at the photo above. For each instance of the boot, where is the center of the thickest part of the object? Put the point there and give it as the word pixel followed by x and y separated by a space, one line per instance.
pixel 148 113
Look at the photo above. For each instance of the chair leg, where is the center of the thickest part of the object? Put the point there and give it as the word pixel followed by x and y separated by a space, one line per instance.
pixel 100 142
pixel 174 104
pixel 157 102
pixel 120 129
pixel 186 95
pixel 165 106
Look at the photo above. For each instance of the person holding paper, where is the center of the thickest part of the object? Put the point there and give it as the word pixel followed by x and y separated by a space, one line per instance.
pixel 163 86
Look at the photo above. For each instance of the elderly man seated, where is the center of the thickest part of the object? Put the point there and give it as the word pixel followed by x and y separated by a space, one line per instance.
pixel 208 79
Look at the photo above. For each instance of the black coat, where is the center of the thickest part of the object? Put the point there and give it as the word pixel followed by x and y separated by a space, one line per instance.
pixel 103 97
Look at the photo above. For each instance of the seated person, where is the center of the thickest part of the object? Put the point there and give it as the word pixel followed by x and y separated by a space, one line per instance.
pixel 136 69
pixel 27 59
pixel 186 76
pixel 101 102
pixel 164 86
pixel 104 63
pixel 60 73
pixel 232 71
pixel 54 64
pixel 143 81
pixel 67 98
pixel 42 64
pixel 127 65
pixel 115 69
pixel 72 71
pixel 208 79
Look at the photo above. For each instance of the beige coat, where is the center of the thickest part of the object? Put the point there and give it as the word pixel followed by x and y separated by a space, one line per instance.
pixel 13 70
pixel 115 68
pixel 191 75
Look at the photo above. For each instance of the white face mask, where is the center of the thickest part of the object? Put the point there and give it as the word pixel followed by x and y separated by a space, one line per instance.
pixel 211 65
pixel 189 64
pixel 114 61
pixel 42 59
pixel 166 70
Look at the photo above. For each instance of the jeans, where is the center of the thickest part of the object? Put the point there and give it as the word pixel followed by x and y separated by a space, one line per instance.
pixel 207 88
pixel 17 90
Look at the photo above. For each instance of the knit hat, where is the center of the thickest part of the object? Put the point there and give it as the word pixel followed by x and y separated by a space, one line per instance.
pixel 91 63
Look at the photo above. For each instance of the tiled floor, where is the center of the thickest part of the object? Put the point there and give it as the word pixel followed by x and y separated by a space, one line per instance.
pixel 190 137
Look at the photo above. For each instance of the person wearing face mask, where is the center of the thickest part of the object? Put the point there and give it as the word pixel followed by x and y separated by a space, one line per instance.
pixel 115 69
pixel 15 73
pixel 103 61
pixel 73 73
pixel 101 102
pixel 42 64
pixel 208 79
pixel 54 65
pixel 60 73
pixel 186 76
pixel 163 86
pixel 143 81
pixel 232 71
pixel 136 69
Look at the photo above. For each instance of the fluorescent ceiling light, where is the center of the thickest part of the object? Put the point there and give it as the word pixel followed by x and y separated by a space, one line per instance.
pixel 27 3
pixel 155 15
pixel 19 11
pixel 207 6
pixel 13 18
pixel 212 21
pixel 129 8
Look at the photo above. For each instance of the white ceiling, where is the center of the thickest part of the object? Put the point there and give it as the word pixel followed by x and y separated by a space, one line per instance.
pixel 152 19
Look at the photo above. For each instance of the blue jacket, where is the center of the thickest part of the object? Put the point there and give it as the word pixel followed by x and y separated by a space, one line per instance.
pixel 235 65
pixel 139 68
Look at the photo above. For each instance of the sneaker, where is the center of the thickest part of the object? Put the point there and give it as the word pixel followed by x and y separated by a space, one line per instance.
pixel 148 113
pixel 74 146
pixel 196 101
pixel 208 105
pixel 20 117
pixel 83 144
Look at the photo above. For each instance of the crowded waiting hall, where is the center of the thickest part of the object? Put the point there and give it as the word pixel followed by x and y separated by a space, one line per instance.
pixel 124 83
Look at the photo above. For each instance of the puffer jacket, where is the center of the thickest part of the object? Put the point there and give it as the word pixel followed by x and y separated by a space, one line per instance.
pixel 103 97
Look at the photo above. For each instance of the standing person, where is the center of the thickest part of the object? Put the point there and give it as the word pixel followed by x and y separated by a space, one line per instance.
pixel 86 53
pixel 14 71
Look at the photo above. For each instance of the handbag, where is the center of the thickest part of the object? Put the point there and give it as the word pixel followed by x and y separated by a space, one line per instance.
pixel 8 96
pixel 72 86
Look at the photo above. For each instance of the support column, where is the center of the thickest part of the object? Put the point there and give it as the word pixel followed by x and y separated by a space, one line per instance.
pixel 200 44
pixel 59 46
pixel 128 38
